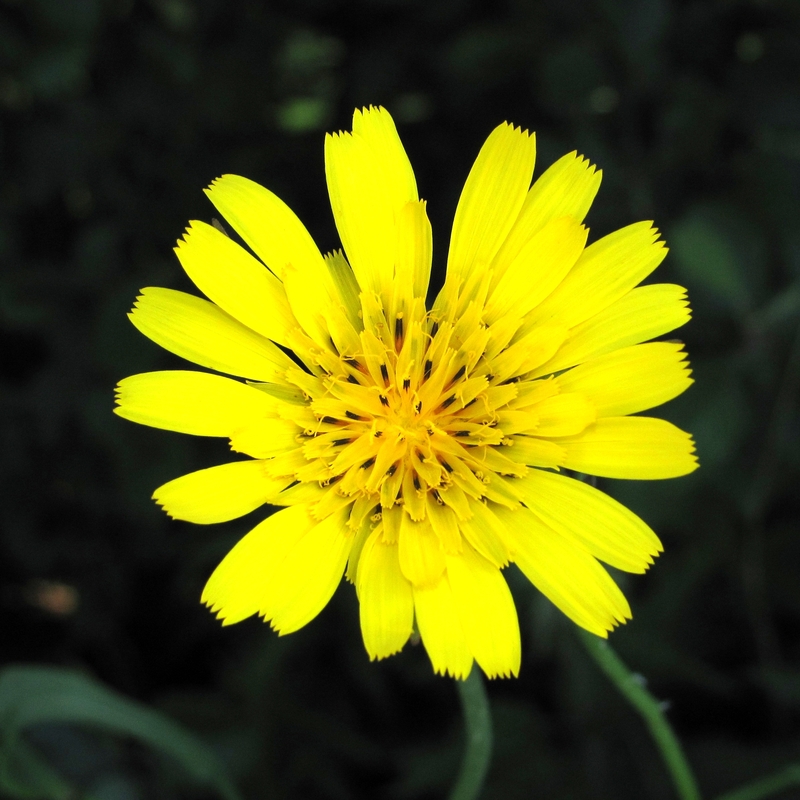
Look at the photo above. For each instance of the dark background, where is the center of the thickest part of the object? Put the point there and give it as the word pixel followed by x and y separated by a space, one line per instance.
pixel 116 114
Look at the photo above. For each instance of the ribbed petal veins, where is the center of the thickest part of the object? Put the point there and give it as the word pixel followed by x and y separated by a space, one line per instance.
pixel 418 451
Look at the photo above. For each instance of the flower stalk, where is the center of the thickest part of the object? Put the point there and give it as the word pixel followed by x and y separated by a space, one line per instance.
pixel 479 738
pixel 650 710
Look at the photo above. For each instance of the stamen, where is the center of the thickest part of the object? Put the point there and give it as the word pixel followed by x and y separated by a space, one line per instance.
pixel 351 415
pixel 353 363
pixel 398 328
pixel 428 368
pixel 447 466
pixel 337 442
pixel 384 373
pixel 416 482
pixel 384 400
pixel 447 403
pixel 352 379
pixel 406 384
pixel 368 463
pixel 434 329
pixel 329 420
pixel 391 471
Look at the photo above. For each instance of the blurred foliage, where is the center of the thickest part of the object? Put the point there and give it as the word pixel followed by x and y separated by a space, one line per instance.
pixel 116 113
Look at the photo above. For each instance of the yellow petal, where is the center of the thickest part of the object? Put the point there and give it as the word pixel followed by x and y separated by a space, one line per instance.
pixel 491 199
pixel 567 575
pixel 486 534
pixel 309 575
pixel 229 276
pixel 632 379
pixel 218 494
pixel 564 414
pixel 264 438
pixel 487 612
pixel 191 402
pixel 376 127
pixel 536 452
pixel 587 516
pixel 245 579
pixel 421 555
pixel 565 189
pixel 440 627
pixel 642 314
pixel 638 448
pixel 607 270
pixel 414 248
pixel 369 181
pixel 268 226
pixel 385 601
pixel 540 266
pixel 203 333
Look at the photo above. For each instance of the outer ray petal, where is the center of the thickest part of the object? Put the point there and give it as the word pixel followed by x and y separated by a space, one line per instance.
pixel 310 574
pixel 607 270
pixel 420 553
pixel 564 415
pixel 219 494
pixel 229 276
pixel 642 314
pixel 565 189
pixel 632 379
pixel 487 612
pixel 491 199
pixel 385 599
pixel 376 127
pixel 203 333
pixel 370 180
pixel 191 402
pixel 637 448
pixel 590 519
pixel 537 270
pixel 441 630
pixel 267 225
pixel 565 573
pixel 244 582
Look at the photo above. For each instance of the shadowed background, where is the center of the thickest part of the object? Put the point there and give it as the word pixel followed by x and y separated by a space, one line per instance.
pixel 116 114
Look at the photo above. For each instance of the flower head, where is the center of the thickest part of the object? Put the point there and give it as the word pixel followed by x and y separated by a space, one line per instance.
pixel 420 451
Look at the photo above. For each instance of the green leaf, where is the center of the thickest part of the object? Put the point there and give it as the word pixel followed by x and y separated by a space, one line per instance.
pixel 37 695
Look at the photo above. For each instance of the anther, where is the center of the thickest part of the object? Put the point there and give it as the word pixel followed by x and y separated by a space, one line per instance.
pixel 368 463
pixel 353 363
pixel 352 379
pixel 447 466
pixel 384 373
pixel 418 407
pixel 337 442
pixel 448 402
pixel 428 368
pixel 406 384
pixel 461 433
pixel 437 497
pixel 459 374
pixel 434 329
pixel 391 471
pixel 351 415
pixel 416 482
pixel 329 420
pixel 398 327
pixel 384 400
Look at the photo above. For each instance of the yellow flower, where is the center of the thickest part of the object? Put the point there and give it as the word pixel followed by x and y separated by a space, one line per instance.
pixel 418 451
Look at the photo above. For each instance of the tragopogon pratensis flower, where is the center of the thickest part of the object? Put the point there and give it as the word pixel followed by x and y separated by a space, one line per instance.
pixel 417 451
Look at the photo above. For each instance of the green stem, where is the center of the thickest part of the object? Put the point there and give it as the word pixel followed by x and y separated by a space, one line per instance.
pixel 650 711
pixel 478 729
pixel 764 787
